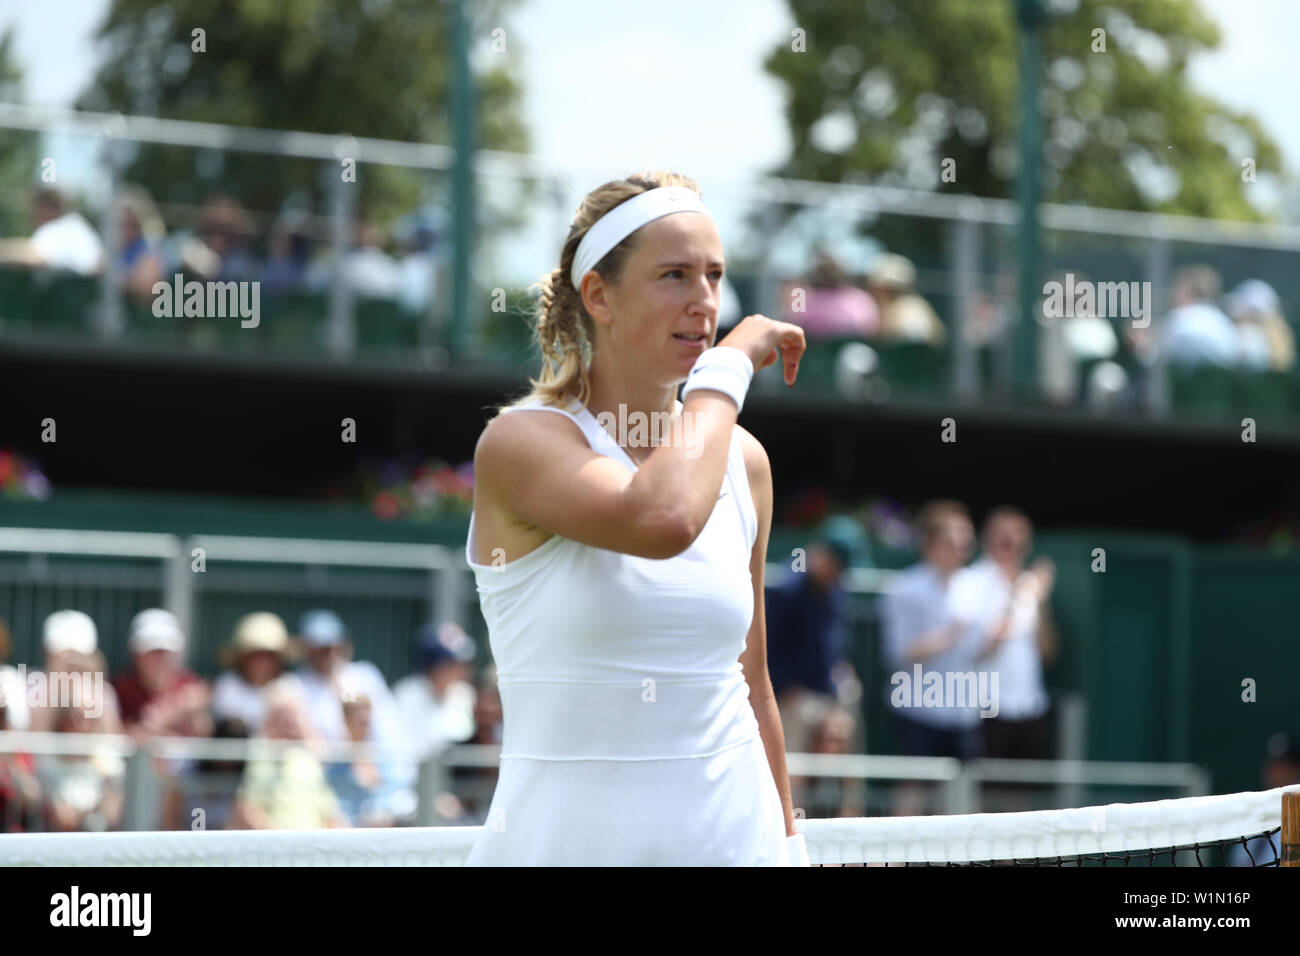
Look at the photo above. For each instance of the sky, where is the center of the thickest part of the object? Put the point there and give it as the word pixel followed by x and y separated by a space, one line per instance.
pixel 610 87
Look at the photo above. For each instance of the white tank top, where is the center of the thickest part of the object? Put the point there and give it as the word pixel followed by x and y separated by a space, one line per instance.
pixel 608 656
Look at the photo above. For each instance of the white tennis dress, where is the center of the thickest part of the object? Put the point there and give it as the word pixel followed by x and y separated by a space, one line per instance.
pixel 629 738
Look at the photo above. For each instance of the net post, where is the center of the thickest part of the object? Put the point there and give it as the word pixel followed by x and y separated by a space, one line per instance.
pixel 1290 829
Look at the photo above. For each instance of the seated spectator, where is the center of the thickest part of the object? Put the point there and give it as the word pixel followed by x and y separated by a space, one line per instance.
pixel 20 790
pixel 329 671
pixel 418 266
pixel 289 255
pixel 375 791
pixel 225 230
pixel 141 243
pixel 1196 331
pixel 286 789
pixel 83 791
pixel 904 315
pixel 74 669
pixel 160 696
pixel 208 794
pixel 807 618
pixel 258 653
pixel 1066 342
pixel 835 731
pixel 831 307
pixel 13 686
pixel 370 271
pixel 1266 339
pixel 1281 769
pixel 62 239
pixel 437 701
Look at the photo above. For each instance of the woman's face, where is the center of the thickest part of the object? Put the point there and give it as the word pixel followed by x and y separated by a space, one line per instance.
pixel 671 285
pixel 260 667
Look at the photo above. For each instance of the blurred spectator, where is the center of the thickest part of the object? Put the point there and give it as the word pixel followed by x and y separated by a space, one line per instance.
pixel 74 675
pixel 20 790
pixel 286 788
pixel 728 307
pixel 373 791
pixel 84 791
pixel 1281 769
pixel 61 239
pixel 258 653
pixel 834 732
pixel 1266 339
pixel 418 266
pixel 1067 343
pixel 208 796
pixel 289 255
pixel 833 307
pixel 1009 609
pixel 330 673
pixel 437 701
pixel 476 784
pixel 225 229
pixel 160 696
pixel 1196 331
pixel 807 620
pixel 919 628
pixel 370 271
pixel 904 315
pixel 141 244
pixel 13 689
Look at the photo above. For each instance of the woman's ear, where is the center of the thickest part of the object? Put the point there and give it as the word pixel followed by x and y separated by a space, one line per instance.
pixel 596 299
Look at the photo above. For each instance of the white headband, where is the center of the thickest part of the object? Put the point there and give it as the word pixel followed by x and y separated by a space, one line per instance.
pixel 626 218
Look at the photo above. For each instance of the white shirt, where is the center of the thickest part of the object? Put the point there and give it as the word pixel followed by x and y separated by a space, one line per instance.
pixel 234 698
pixel 1200 334
pixel 920 600
pixel 981 595
pixel 325 707
pixel 14 696
pixel 433 724
pixel 69 242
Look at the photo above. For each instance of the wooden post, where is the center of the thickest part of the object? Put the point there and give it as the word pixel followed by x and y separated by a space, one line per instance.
pixel 1290 829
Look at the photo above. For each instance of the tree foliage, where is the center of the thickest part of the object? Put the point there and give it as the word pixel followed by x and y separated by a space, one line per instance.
pixel 886 90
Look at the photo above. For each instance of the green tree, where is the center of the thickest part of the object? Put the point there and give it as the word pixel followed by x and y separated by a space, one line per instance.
pixel 886 90
pixel 380 68
pixel 18 150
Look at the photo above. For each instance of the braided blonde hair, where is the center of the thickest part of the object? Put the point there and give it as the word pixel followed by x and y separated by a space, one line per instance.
pixel 563 330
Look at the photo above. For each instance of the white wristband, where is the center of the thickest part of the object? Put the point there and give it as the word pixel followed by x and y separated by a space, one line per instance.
pixel 797 850
pixel 721 369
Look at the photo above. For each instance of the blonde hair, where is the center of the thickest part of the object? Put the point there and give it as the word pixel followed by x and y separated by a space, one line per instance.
pixel 562 329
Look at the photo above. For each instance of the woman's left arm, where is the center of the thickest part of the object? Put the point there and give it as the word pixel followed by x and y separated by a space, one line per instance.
pixel 754 659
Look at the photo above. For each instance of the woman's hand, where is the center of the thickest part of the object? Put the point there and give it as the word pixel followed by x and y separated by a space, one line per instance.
pixel 762 339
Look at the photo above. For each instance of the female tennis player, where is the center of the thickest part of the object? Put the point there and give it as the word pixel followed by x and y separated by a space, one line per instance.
pixel 622 583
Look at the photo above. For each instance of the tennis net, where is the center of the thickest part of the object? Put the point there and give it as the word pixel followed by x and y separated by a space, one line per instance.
pixel 1237 829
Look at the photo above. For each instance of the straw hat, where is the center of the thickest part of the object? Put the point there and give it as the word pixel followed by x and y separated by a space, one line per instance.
pixel 259 631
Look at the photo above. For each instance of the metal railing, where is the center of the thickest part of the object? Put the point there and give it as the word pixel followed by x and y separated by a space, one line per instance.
pixel 960 783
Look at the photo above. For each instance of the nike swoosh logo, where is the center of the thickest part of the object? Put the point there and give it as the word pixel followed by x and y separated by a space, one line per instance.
pixel 721 496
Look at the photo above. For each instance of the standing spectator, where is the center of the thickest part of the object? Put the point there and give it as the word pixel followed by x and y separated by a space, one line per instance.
pixel 160 696
pixel 286 789
pixel 62 239
pixel 904 315
pixel 807 644
pixel 920 628
pixel 258 653
pixel 330 674
pixel 1196 331
pixel 437 701
pixel 1008 608
pixel 832 306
